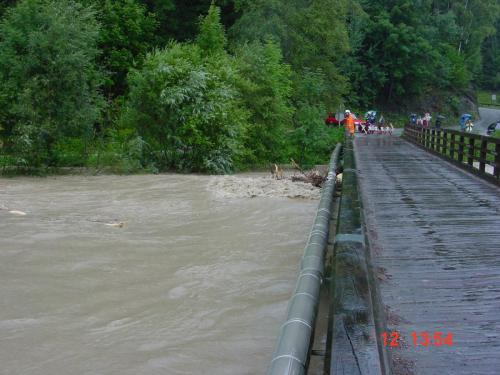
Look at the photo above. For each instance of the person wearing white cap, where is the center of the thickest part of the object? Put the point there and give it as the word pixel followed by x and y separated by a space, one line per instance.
pixel 349 123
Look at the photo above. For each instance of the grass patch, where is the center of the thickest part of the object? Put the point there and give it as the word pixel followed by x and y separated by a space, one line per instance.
pixel 484 99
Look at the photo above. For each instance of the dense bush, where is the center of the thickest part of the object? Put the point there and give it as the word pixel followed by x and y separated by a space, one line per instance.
pixel 266 89
pixel 48 74
pixel 187 109
pixel 125 36
pixel 120 151
pixel 311 141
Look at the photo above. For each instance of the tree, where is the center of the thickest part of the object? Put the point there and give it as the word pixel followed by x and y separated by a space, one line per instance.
pixel 266 89
pixel 311 141
pixel 4 4
pixel 314 40
pixel 212 37
pixel 311 34
pixel 187 109
pixel 178 19
pixel 127 32
pixel 409 49
pixel 49 78
pixel 490 77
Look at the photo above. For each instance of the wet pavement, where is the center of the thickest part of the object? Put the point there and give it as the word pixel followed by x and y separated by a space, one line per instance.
pixel 434 233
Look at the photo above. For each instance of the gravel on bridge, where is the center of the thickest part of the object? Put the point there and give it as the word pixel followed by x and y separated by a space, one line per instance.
pixel 434 233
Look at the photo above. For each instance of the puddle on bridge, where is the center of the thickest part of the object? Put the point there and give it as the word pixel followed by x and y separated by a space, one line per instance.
pixel 143 275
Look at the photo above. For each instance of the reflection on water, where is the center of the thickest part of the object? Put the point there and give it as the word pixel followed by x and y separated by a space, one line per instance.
pixel 192 283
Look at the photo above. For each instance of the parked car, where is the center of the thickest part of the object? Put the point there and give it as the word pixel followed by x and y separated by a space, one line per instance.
pixel 331 120
pixel 493 127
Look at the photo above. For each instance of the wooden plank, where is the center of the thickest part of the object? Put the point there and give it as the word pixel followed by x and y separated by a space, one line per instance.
pixel 497 161
pixel 472 147
pixel 445 143
pixel 434 235
pixel 461 148
pixel 452 147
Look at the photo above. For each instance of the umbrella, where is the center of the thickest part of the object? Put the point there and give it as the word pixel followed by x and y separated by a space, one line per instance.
pixel 464 118
pixel 371 114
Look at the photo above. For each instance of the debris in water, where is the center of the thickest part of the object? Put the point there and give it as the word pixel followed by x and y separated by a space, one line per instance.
pixel 17 212
pixel 313 177
pixel 121 224
pixel 258 185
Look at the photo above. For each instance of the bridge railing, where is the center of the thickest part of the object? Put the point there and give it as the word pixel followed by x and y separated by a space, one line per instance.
pixel 476 153
pixel 293 347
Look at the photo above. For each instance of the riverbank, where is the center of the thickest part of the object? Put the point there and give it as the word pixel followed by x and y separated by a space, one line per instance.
pixel 240 185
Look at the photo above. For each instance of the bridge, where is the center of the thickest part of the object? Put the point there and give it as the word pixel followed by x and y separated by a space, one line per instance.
pixel 411 265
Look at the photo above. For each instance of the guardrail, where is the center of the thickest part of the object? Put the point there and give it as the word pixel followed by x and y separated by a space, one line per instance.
pixel 291 355
pixel 476 153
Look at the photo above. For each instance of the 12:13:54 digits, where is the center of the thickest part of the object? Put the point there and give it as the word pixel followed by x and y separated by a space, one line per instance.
pixel 423 338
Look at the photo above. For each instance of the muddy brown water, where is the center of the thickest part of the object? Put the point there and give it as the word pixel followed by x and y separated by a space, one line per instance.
pixel 195 282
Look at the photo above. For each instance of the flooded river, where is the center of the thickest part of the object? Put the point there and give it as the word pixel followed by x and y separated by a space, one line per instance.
pixel 165 274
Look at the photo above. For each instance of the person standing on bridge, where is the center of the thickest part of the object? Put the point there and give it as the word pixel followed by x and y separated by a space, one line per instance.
pixel 349 123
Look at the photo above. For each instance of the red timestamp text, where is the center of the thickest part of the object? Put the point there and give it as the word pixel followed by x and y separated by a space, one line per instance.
pixel 424 339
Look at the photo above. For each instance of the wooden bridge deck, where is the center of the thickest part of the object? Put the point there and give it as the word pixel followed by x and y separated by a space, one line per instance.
pixel 434 232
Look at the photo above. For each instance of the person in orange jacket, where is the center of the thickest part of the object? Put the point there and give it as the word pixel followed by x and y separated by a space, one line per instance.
pixel 349 123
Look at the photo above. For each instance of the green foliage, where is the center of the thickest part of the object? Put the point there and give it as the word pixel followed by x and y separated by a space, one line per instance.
pixel 126 34
pixel 211 38
pixel 186 107
pixel 178 19
pixel 311 34
pixel 311 141
pixel 4 4
pixel 409 49
pixel 314 39
pixel 194 106
pixel 490 77
pixel 49 80
pixel 70 152
pixel 484 98
pixel 164 13
pixel 120 151
pixel 266 89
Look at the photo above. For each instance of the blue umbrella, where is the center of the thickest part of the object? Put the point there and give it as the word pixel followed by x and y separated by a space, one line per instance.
pixel 371 114
pixel 464 118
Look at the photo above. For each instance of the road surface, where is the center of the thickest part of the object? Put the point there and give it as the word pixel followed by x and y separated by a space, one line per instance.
pixel 488 116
